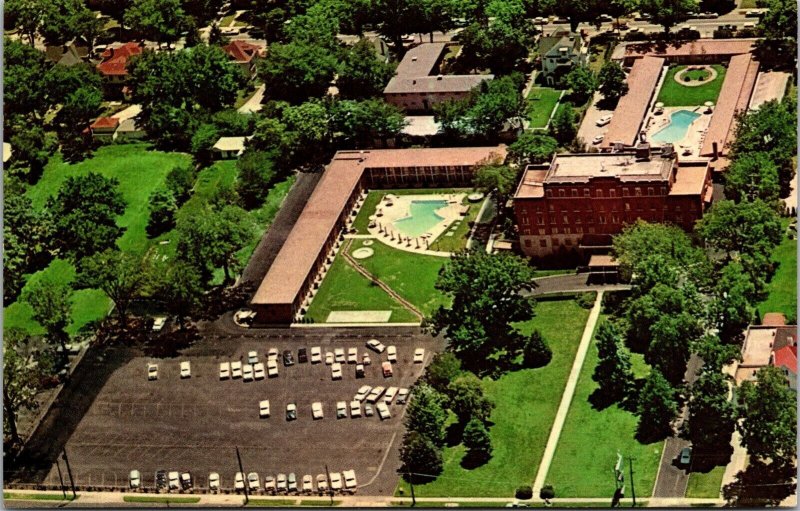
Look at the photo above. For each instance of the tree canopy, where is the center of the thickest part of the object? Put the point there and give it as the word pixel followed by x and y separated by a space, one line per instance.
pixel 156 20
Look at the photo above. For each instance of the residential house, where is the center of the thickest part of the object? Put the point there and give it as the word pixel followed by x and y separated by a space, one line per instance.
pixel 768 345
pixel 114 67
pixel 67 55
pixel 6 152
pixel 244 55
pixel 229 147
pixel 104 127
pixel 129 129
pixel 559 53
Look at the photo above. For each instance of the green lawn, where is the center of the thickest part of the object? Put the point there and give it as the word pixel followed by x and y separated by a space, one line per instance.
pixel 160 500
pixel 673 93
pixel 748 4
pixel 344 289
pixel 37 496
pixel 541 102
pixel 782 288
pixel 705 485
pixel 461 233
pixel 587 449
pixel 526 403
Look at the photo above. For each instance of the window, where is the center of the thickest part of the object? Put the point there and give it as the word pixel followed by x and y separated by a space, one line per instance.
pixel 568 242
pixel 528 243
pixel 567 231
pixel 599 194
pixel 627 206
pixel 638 191
pixel 549 193
pixel 555 242
pixel 679 219
pixel 677 208
pixel 579 230
pixel 625 192
pixel 650 191
pixel 574 192
pixel 525 220
pixel 539 220
pixel 541 232
pixel 586 192
pixel 602 219
pixel 663 190
pixel 555 230
pixel 614 219
pixel 560 192
pixel 612 193
pixel 543 243
pixel 565 218
pixel 591 230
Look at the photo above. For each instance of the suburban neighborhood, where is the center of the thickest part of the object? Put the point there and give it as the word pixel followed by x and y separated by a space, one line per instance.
pixel 400 253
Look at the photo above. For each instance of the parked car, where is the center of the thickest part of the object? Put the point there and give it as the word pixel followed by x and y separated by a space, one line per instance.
pixel 338 354
pixel 322 482
pixel 291 482
pixel 316 355
pixel 316 410
pixel 224 370
pixel 238 482
pixel 376 392
pixel 186 369
pixel 272 368
pixel 258 371
pixel 391 354
pixel 161 480
pixel 288 359
pixel 366 360
pixel 603 120
pixel 272 354
pixel 158 323
pixel 253 481
pixel 355 409
pixel 308 483
pixel 336 481
pixel 302 356
pixel 329 359
pixel 213 481
pixel 263 409
pixel 187 482
pixel 376 346
pixel 391 392
pixel 247 372
pixel 419 355
pixel 605 17
pixel 387 369
pixel 252 357
pixel 269 483
pixel 352 355
pixel 174 481
pixel 291 412
pixel 135 479
pixel 383 411
pixel 236 369
pixel 152 372
pixel 361 395
pixel 596 140
pixel 350 483
pixel 341 410
pixel 360 370
pixel 686 456
pixel 368 411
pixel 281 482
pixel 336 371
pixel 402 396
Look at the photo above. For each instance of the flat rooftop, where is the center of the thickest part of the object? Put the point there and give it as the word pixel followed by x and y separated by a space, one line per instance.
pixel 708 47
pixel 689 180
pixel 582 167
pixel 419 60
pixel 632 107
pixel 415 73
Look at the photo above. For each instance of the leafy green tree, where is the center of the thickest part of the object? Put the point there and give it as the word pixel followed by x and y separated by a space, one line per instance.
pixel 536 352
pixel 32 149
pixel 295 72
pixel 163 209
pixel 203 139
pixel 51 304
pixel 612 81
pixel 61 81
pixel 485 301
pixel 421 459
pixel 769 416
pixel 180 181
pixel 26 237
pixel 657 408
pixel 500 179
pixel 84 214
pixel 396 18
pixel 26 15
pixel 467 399
pixel 443 369
pixel 743 228
pixel 255 174
pixel 367 121
pixel 497 46
pixel 779 21
pixel 426 414
pixel 23 96
pixel 79 108
pixel 230 123
pixel 156 20
pixel 120 275
pixel 665 299
pixel 312 30
pixel 495 104
pixel 180 287
pixel 532 147
pixel 21 379
pixel 712 417
pixel 668 13
pixel 63 20
pixel 715 355
pixel 202 10
pixel 670 347
pixel 731 310
pixel 752 176
pixel 613 370
pixel 563 125
pixel 477 440
pixel 582 83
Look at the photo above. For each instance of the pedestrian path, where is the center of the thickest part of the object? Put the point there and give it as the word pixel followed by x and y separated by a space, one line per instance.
pixel 566 397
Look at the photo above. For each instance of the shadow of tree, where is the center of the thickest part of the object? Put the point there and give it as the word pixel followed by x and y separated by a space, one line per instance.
pixel 761 485
pixel 473 460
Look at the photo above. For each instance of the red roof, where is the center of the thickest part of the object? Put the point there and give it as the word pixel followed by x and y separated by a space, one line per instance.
pixel 105 122
pixel 115 60
pixel 242 51
pixel 774 319
pixel 786 357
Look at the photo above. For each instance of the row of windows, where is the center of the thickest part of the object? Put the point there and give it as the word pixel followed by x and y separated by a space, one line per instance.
pixel 637 192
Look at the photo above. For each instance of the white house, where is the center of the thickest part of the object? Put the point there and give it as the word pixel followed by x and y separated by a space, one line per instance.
pixel 559 53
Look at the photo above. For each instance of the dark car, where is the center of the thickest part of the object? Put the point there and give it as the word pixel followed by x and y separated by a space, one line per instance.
pixel 288 359
pixel 302 355
pixel 359 370
pixel 187 482
pixel 161 480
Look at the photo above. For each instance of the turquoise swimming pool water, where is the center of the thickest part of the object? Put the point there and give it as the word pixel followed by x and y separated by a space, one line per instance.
pixel 422 217
pixel 678 126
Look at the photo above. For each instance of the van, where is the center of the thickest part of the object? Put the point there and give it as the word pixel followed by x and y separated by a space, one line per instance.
pixel 387 369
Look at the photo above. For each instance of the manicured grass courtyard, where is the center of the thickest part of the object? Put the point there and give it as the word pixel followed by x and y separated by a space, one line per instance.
pixel 460 235
pixel 526 403
pixel 782 288
pixel 673 93
pixel 590 440
pixel 541 101
pixel 705 485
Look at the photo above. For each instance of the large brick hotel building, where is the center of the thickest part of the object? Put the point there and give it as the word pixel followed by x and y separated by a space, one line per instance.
pixel 579 200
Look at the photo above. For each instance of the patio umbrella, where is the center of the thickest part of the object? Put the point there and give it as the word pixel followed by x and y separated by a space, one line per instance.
pixel 659 105
pixel 709 103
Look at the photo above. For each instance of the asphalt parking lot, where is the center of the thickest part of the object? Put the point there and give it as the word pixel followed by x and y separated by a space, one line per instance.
pixel 197 423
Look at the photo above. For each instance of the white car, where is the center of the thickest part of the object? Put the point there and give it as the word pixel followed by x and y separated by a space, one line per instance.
pixel 186 369
pixel 224 370
pixel 281 482
pixel 336 371
pixel 253 481
pixel 238 482
pixel 366 360
pixel 419 355
pixel 603 120
pixel 316 355
pixel 338 354
pixel 308 483
pixel 263 409
pixel 316 410
pixel 350 482
pixel 383 411
pixel 174 481
pixel 236 369
pixel 362 393
pixel 272 354
pixel 329 358
pixel 135 479
pixel 341 410
pixel 252 357
pixel 291 412
pixel 391 392
pixel 152 371
pixel 269 484
pixel 596 140
pixel 258 371
pixel 402 396
pixel 391 354
pixel 247 372
pixel 272 368
pixel 336 481
pixel 355 409
pixel 213 481
pixel 375 394
pixel 368 411
pixel 291 482
pixel 352 355
pixel 375 345
pixel 158 323
pixel 322 482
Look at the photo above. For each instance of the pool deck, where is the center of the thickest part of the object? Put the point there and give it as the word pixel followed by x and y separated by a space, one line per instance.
pixel 694 135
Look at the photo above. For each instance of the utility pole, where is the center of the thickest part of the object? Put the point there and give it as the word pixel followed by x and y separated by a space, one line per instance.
pixel 330 490
pixel 413 497
pixel 69 472
pixel 61 478
pixel 244 479
pixel 633 490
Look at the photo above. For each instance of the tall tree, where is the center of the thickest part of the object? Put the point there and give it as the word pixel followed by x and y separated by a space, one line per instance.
pixel 26 15
pixel 612 81
pixel 536 352
pixel 712 417
pixel 255 174
pixel 467 399
pixel 613 370
pixel 532 147
pixel 23 96
pixel 369 122
pixel 294 72
pixel 444 368
pixel 26 240
pixel 51 303
pixel 657 408
pixel 21 379
pixel 477 440
pixel 731 308
pixel 180 287
pixel 361 73
pixel 752 176
pixel 671 345
pixel 563 125
pixel 582 82
pixel 743 228
pixel 668 13
pixel 157 20
pixel 769 416
pixel 426 414
pixel 500 179
pixel 420 458
pixel 64 20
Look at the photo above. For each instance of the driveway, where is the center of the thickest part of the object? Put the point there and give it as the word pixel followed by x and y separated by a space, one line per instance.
pixel 253 104
pixel 588 128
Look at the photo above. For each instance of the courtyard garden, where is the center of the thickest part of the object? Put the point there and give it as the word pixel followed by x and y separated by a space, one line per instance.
pixel 526 403
pixel 693 87
pixel 540 104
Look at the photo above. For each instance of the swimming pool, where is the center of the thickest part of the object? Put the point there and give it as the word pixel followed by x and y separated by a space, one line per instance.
pixel 677 128
pixel 421 218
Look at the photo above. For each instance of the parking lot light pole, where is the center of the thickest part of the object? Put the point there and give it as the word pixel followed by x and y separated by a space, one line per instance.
pixel 69 472
pixel 239 458
pixel 413 497
pixel 330 489
pixel 633 490
pixel 61 478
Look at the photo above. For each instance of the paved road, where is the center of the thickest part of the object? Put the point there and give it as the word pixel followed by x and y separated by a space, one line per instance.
pixel 572 283
pixel 253 104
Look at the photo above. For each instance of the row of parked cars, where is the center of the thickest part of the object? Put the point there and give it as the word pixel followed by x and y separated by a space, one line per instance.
pixel 381 397
pixel 175 481
pixel 152 370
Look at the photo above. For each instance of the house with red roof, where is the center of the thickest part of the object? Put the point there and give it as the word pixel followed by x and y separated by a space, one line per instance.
pixel 786 360
pixel 114 66
pixel 104 127
pixel 768 345
pixel 244 55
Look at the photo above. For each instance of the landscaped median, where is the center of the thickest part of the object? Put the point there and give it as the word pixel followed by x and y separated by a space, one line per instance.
pixel 37 496
pixel 160 499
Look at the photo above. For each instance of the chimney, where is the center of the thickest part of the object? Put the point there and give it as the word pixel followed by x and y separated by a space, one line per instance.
pixel 643 152
pixel 715 149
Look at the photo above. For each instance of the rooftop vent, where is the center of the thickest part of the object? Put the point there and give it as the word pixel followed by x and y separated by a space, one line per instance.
pixel 439 77
pixel 413 59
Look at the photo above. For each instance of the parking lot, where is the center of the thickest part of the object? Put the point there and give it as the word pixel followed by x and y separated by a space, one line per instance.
pixel 195 424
